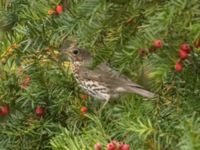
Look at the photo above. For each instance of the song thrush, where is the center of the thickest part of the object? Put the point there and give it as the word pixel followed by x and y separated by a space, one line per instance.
pixel 102 82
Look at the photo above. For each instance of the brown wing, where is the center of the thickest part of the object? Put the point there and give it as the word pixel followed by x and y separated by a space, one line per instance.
pixel 106 75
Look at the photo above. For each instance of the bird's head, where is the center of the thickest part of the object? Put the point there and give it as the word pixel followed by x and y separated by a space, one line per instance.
pixel 76 55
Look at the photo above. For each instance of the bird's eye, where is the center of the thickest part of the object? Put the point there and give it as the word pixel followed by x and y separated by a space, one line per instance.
pixel 75 52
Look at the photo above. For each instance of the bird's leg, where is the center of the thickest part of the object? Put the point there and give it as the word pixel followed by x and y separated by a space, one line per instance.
pixel 104 104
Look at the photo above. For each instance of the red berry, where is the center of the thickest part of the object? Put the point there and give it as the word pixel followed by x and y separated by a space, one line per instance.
pixel 183 54
pixel 84 109
pixel 185 47
pixel 84 96
pixel 59 9
pixel 4 110
pixel 158 43
pixel 125 147
pixel 111 146
pixel 98 146
pixel 39 111
pixel 178 67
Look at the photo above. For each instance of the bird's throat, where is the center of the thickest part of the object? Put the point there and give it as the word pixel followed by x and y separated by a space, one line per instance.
pixel 75 67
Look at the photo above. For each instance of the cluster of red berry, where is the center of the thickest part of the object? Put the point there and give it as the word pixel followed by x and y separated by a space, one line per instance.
pixel 157 44
pixel 184 51
pixel 114 145
pixel 5 110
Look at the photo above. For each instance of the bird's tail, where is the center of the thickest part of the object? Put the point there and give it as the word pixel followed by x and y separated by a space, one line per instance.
pixel 140 91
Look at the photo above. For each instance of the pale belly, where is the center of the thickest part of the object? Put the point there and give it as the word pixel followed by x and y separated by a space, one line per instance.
pixel 95 90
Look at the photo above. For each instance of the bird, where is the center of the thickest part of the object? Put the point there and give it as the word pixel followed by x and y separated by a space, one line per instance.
pixel 101 82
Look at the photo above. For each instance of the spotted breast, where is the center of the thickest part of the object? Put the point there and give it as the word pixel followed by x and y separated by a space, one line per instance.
pixel 93 88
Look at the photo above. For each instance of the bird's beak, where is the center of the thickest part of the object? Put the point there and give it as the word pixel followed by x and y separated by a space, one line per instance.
pixel 66 49
pixel 64 54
